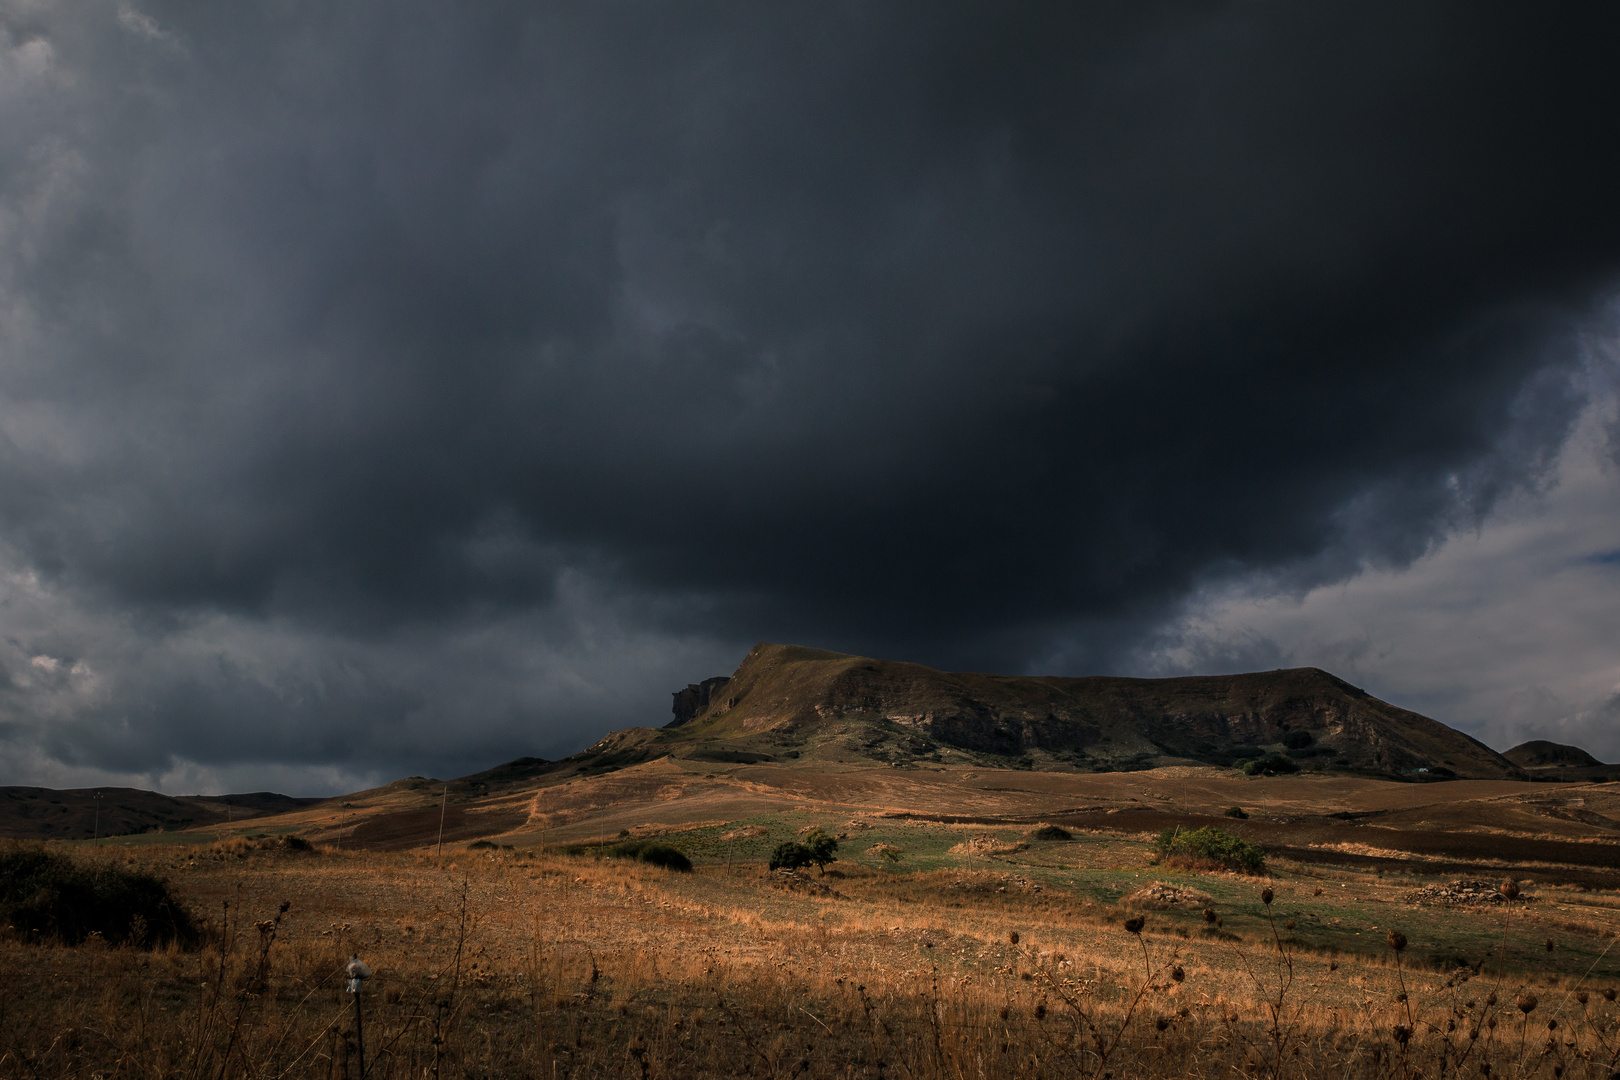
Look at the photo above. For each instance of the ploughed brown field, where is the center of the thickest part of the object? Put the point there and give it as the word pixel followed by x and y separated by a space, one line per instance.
pixel 947 940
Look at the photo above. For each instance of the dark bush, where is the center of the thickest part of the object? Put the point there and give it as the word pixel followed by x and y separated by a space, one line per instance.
pixel 243 847
pixel 1236 811
pixel 1299 740
pixel 790 856
pixel 1211 845
pixel 649 851
pixel 482 845
pixel 1271 763
pixel 47 896
pixel 1052 832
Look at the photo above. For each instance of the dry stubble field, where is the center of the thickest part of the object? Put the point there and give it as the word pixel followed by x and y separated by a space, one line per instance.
pixel 528 963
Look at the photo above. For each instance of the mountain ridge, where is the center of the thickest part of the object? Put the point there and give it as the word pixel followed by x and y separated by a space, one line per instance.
pixel 791 700
pixel 36 813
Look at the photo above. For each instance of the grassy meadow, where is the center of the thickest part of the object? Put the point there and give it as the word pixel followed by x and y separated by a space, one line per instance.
pixel 927 951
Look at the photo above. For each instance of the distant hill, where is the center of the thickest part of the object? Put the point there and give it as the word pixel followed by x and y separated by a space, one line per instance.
pixel 1541 754
pixel 789 702
pixel 1543 760
pixel 31 813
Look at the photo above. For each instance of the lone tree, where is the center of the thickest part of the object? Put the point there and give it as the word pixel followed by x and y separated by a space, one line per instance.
pixel 818 848
pixel 821 848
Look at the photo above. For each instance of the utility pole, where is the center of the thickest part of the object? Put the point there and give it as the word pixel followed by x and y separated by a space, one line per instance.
pixel 443 802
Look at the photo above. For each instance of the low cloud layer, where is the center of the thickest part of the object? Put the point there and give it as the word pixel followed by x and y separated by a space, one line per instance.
pixel 396 390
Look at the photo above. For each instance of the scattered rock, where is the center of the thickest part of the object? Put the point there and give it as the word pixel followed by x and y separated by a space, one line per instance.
pixel 1461 893
pixel 747 832
pixel 1016 881
pixel 1160 897
pixel 987 845
pixel 794 881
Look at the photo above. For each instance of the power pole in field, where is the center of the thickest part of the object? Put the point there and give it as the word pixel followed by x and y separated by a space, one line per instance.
pixel 443 802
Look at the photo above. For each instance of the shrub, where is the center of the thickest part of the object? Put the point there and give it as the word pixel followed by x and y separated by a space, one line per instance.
pixel 790 856
pixel 45 895
pixel 1236 811
pixel 243 846
pixel 482 845
pixel 1271 763
pixel 1211 845
pixel 1052 832
pixel 650 851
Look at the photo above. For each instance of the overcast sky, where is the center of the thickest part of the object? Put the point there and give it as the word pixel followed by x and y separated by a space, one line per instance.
pixel 403 388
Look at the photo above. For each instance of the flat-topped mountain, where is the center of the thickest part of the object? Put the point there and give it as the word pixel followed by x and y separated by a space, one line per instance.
pixel 786 700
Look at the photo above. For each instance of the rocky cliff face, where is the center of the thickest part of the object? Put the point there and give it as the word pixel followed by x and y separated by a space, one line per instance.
pixel 1312 717
pixel 692 701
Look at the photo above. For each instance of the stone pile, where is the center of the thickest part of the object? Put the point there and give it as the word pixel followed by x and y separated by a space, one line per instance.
pixel 987 845
pixel 1018 881
pixel 1160 896
pixel 1461 893
pixel 794 881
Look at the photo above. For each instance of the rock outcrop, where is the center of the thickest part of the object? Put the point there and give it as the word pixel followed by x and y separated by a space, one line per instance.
pixel 695 699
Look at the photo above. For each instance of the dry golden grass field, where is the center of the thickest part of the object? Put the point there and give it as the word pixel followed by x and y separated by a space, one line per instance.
pixel 946 941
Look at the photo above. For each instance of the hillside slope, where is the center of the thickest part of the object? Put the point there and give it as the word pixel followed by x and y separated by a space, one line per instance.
pixel 789 700
pixel 31 813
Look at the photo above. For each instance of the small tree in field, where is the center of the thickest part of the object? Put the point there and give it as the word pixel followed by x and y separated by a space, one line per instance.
pixel 820 847
pixel 817 848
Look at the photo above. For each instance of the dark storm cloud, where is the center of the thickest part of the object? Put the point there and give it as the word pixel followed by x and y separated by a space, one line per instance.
pixel 927 331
